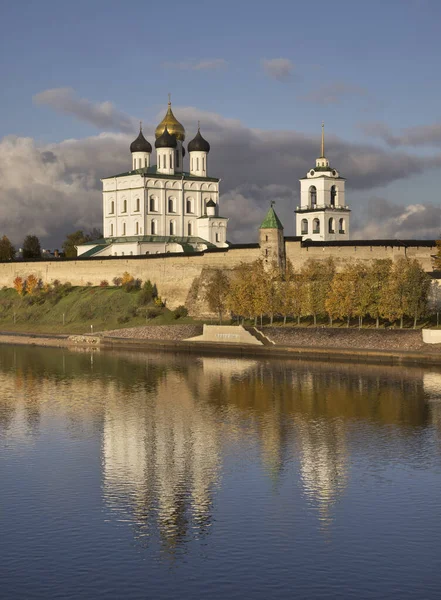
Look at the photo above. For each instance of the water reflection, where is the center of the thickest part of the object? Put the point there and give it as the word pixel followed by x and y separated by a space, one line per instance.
pixel 166 424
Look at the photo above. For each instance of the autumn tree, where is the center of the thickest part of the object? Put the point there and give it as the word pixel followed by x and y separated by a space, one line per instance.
pixel 377 278
pixel 241 299
pixel 317 276
pixel 31 284
pixel 434 299
pixel 216 292
pixel 7 250
pixel 342 300
pixel 31 247
pixel 416 290
pixel 392 300
pixel 19 285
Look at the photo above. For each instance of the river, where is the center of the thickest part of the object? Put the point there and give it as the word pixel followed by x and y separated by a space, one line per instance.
pixel 142 475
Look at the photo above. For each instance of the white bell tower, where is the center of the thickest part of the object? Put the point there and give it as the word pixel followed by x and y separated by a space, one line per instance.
pixel 323 214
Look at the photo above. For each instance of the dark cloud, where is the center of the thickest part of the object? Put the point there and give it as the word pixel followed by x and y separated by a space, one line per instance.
pixel 334 93
pixel 60 189
pixel 422 135
pixel 102 115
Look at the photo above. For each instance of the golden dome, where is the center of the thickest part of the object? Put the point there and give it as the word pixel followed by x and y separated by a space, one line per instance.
pixel 172 124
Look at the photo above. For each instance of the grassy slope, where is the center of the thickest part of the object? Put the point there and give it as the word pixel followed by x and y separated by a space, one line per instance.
pixel 82 307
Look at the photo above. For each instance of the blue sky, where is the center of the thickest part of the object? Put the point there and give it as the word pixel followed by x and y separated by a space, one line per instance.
pixel 352 64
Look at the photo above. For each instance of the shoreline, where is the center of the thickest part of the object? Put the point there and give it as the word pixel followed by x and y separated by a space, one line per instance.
pixel 315 353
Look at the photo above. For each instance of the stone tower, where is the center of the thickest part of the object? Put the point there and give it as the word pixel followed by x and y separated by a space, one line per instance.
pixel 322 214
pixel 271 240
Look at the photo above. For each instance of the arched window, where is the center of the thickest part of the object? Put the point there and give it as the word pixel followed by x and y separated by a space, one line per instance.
pixel 153 228
pixel 137 205
pixel 189 206
pixel 197 164
pixel 111 229
pixel 145 163
pixel 331 225
pixel 333 195
pixel 304 227
pixel 316 226
pixel 203 164
pixel 124 229
pixel 112 207
pixel 177 158
pixel 172 228
pixel 124 206
pixel 341 226
pixel 313 196
pixel 153 207
pixel 171 205
pixel 217 237
pixel 189 229
pixel 266 238
pixel 205 205
pixel 136 228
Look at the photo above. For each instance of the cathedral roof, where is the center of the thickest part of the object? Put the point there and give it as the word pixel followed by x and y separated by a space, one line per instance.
pixel 198 144
pixel 140 144
pixel 271 221
pixel 171 123
pixel 166 140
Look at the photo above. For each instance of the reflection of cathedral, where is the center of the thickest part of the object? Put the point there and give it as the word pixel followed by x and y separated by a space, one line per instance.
pixel 161 460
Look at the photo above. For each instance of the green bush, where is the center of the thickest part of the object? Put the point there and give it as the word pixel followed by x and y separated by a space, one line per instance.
pixel 152 312
pixel 179 312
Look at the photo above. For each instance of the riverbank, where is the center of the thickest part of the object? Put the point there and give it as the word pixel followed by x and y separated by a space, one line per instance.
pixel 394 347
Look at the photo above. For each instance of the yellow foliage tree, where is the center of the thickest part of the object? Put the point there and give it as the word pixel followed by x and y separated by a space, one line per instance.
pixel 19 285
pixel 31 284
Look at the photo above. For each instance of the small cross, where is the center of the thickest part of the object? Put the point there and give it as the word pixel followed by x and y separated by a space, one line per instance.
pixel 199 125
pixel 272 203
pixel 169 98
pixel 140 126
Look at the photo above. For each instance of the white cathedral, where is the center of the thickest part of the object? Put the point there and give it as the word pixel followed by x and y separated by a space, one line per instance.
pixel 156 209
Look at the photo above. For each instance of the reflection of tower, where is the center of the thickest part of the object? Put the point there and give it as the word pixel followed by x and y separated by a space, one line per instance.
pixel 323 460
pixel 161 460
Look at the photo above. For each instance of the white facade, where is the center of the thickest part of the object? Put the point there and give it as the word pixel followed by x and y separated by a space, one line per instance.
pixel 163 207
pixel 323 214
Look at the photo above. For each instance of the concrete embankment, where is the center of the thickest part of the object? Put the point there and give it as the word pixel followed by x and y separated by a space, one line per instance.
pixel 400 347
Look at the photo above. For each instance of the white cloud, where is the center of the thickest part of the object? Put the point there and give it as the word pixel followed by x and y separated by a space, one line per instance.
pixel 102 115
pixel 280 69
pixel 207 64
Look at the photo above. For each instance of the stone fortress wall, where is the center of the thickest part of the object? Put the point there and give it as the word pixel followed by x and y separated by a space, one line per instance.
pixel 177 276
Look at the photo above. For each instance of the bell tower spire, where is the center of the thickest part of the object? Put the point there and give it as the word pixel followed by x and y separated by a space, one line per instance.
pixel 322 154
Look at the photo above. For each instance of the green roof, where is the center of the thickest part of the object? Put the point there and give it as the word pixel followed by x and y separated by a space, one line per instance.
pixel 152 172
pixel 271 221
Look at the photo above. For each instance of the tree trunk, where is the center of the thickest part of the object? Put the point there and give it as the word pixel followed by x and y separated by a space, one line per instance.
pixel 298 319
pixel 437 319
pixel 347 323
pixel 284 320
pixel 330 321
pixel 261 319
pixel 255 321
pixel 415 321
pixel 271 318
pixel 361 322
pixel 377 324
pixel 315 320
pixel 401 322
pixel 220 317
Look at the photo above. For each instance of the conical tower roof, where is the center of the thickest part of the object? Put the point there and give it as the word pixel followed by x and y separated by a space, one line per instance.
pixel 172 124
pixel 271 221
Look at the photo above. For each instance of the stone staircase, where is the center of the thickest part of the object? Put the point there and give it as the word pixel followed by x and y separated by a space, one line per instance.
pixel 260 336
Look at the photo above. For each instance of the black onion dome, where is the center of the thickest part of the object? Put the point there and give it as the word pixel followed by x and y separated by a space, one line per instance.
pixel 198 144
pixel 210 203
pixel 140 144
pixel 166 140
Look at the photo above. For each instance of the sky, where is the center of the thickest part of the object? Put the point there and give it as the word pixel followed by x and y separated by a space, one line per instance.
pixel 76 78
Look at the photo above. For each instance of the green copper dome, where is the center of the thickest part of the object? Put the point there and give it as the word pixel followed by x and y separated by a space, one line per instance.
pixel 271 221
